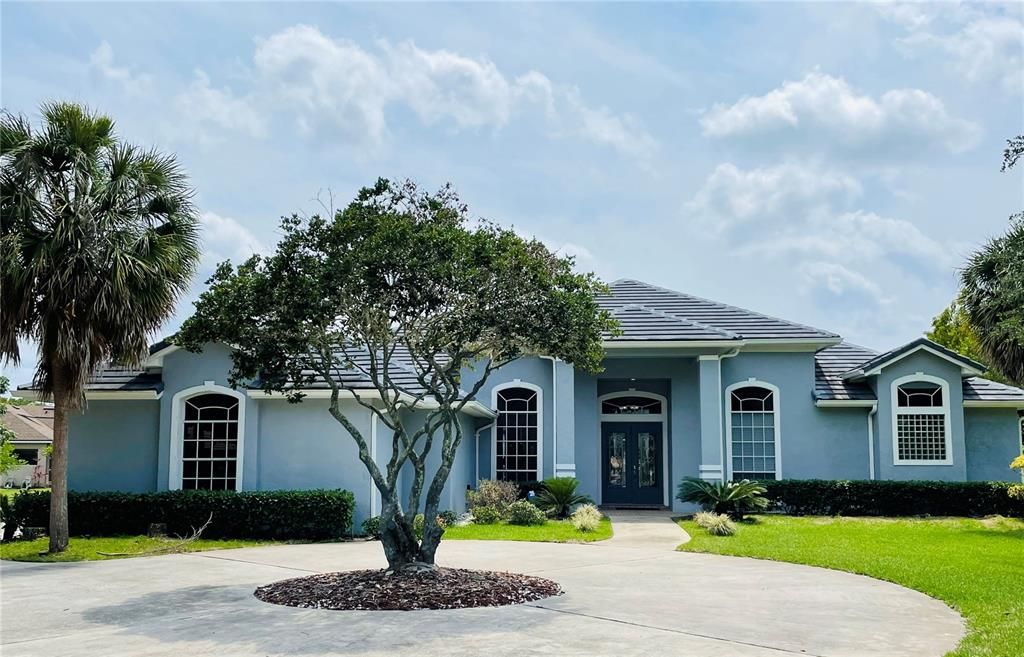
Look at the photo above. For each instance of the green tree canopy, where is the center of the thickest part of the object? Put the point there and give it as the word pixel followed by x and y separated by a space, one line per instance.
pixel 993 291
pixel 403 289
pixel 98 240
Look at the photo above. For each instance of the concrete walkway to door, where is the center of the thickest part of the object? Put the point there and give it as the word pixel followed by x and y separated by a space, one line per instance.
pixel 644 529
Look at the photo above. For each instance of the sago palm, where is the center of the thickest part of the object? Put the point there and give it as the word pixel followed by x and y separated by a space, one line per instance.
pixel 559 496
pixel 98 241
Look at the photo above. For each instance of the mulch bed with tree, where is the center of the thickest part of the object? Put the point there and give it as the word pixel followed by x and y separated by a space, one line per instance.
pixel 442 588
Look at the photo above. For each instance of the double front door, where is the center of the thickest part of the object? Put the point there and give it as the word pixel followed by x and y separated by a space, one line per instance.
pixel 632 459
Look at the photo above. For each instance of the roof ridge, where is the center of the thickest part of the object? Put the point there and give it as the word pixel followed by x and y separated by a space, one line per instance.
pixel 726 305
pixel 685 320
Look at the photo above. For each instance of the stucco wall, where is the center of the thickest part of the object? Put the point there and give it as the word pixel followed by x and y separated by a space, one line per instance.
pixel 301 446
pixel 113 446
pixel 992 441
pixel 535 371
pixel 815 442
pixel 932 365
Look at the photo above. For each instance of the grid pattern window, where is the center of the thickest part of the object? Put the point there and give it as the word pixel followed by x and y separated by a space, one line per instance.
pixel 921 430
pixel 754 439
pixel 517 431
pixel 210 443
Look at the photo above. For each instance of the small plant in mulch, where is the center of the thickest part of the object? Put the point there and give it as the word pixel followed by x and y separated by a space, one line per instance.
pixel 441 588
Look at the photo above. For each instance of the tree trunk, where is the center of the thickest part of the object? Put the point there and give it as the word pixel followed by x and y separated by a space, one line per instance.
pixel 59 466
pixel 398 539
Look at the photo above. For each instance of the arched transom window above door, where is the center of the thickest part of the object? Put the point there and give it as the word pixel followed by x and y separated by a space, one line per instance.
pixel 631 405
pixel 209 449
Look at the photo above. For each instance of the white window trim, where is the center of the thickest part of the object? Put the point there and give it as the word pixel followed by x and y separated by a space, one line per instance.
pixel 178 430
pixel 776 413
pixel 518 383
pixel 653 417
pixel 921 410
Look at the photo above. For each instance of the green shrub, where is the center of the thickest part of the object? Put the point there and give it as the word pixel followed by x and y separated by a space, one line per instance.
pixel 716 524
pixel 486 515
pixel 371 527
pixel 586 518
pixel 420 520
pixel 558 496
pixel 1016 492
pixel 734 498
pixel 282 515
pixel 522 512
pixel 448 518
pixel 826 497
pixel 497 494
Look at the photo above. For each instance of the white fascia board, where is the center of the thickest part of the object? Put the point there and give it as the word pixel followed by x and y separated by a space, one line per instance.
pixel 789 344
pixel 100 394
pixel 848 403
pixel 994 403
pixel 474 408
pixel 611 345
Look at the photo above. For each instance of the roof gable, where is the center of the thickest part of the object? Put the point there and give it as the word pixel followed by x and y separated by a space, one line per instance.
pixel 967 366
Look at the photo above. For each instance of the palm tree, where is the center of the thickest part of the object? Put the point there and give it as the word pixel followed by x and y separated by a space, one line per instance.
pixel 98 240
pixel 993 290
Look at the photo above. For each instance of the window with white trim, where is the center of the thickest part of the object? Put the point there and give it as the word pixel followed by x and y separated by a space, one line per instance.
pixel 922 418
pixel 210 443
pixel 516 430
pixel 753 428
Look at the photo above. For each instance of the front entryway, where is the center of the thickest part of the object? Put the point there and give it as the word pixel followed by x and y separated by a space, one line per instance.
pixel 632 463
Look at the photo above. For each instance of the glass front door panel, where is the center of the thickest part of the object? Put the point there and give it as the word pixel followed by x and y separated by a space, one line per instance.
pixel 617 459
pixel 647 459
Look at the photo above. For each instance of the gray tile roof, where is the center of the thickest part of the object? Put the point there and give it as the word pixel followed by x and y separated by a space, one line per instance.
pixel 831 363
pixel 716 321
pixel 640 323
pixel 979 389
pixel 895 354
pixel 116 377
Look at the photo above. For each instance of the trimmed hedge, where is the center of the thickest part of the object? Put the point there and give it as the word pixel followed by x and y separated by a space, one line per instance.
pixel 282 515
pixel 828 497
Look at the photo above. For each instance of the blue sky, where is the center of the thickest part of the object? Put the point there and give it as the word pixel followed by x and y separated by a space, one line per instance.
pixel 827 163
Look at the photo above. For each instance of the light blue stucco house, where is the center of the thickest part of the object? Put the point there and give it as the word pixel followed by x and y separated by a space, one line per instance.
pixel 691 388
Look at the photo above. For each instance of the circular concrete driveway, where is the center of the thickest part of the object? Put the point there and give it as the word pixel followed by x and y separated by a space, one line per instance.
pixel 621 599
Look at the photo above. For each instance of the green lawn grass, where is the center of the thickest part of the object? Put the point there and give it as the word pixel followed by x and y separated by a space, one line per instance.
pixel 11 492
pixel 88 549
pixel 975 566
pixel 554 531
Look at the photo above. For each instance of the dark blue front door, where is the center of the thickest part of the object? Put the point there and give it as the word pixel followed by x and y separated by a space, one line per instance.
pixel 631 457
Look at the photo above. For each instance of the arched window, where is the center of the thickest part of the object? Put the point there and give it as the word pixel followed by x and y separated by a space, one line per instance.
pixel 517 434
pixel 209 447
pixel 921 421
pixel 753 430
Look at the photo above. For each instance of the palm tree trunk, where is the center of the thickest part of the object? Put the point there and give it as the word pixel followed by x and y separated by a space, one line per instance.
pixel 59 465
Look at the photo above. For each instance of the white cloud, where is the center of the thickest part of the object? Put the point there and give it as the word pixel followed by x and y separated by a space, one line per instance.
pixel 102 60
pixel 732 196
pixel 219 107
pixel 801 222
pixel 336 84
pixel 845 285
pixel 984 41
pixel 826 113
pixel 226 239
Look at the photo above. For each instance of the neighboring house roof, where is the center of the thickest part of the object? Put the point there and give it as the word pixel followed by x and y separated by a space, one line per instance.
pixel 700 319
pixel 32 423
pixel 833 364
pixel 967 365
